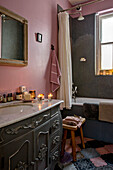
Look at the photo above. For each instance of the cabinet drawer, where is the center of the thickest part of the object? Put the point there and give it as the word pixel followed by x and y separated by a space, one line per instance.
pixel 55 110
pixel 54 157
pixel 56 124
pixel 13 131
pixel 55 140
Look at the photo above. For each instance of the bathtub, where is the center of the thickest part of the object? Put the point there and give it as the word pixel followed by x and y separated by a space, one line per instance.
pixel 80 100
pixel 94 129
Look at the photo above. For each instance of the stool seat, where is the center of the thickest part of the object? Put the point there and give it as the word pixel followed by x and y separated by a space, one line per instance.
pixel 69 127
pixel 72 129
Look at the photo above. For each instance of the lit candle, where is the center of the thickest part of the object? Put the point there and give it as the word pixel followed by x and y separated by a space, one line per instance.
pixel 50 96
pixel 33 94
pixel 40 97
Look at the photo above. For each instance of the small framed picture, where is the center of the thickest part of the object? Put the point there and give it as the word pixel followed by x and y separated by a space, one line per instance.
pixel 39 37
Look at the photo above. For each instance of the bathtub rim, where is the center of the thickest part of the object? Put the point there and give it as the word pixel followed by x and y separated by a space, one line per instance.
pixel 81 100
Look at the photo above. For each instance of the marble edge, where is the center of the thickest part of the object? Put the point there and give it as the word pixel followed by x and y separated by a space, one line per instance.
pixel 32 114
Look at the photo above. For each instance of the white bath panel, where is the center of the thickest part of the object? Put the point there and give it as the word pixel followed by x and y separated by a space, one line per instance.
pixel 74 2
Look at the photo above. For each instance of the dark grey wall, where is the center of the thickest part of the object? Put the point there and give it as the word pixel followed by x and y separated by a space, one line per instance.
pixel 89 85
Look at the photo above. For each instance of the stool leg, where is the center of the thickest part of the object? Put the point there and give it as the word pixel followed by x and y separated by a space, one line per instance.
pixel 73 145
pixel 63 142
pixel 82 138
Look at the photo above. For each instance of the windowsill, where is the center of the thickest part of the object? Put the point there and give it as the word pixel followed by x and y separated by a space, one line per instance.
pixel 105 73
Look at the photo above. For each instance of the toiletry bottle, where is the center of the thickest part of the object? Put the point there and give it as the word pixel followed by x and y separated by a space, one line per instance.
pixel 4 98
pixel 18 96
pixel 11 97
pixel 1 98
pixel 27 97
pixel 8 97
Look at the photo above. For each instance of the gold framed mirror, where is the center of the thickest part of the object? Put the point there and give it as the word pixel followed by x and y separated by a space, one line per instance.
pixel 14 38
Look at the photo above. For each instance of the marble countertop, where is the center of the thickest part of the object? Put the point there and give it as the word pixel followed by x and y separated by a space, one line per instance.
pixel 17 110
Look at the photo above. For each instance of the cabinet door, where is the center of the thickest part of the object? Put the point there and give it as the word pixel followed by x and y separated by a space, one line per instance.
pixel 17 155
pixel 41 148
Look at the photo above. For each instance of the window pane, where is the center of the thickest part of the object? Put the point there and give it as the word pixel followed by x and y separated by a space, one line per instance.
pixel 107 30
pixel 106 56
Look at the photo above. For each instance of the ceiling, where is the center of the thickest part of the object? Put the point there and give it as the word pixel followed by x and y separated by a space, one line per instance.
pixel 74 2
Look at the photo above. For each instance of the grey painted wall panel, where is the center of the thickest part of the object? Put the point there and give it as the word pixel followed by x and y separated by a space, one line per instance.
pixel 83 45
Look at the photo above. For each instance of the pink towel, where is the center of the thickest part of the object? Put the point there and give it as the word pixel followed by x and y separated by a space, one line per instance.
pixel 72 120
pixel 55 72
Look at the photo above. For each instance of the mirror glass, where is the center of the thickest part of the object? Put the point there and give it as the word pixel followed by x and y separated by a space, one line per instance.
pixel 14 38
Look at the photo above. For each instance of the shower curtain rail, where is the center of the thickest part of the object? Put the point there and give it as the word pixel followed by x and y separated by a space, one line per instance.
pixel 81 5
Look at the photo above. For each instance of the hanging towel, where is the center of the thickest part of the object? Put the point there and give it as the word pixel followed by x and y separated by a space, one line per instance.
pixel 55 72
pixel 106 111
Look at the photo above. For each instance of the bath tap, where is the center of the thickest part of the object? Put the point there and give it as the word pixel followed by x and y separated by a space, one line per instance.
pixel 74 91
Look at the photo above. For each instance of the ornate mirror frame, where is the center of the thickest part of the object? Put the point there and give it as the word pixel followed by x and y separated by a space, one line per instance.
pixel 15 62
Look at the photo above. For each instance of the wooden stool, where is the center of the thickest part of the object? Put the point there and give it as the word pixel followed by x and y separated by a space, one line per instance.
pixel 72 129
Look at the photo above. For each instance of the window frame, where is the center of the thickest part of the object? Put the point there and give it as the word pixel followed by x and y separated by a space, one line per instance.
pixel 98 43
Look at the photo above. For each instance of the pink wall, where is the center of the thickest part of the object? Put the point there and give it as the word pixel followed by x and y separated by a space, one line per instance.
pixel 106 4
pixel 42 17
pixel 93 8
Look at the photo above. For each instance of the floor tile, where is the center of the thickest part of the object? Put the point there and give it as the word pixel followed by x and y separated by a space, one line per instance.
pixel 69 167
pixel 97 155
pixel 68 141
pixel 108 158
pixel 68 149
pixel 108 167
pixel 78 140
pixel 94 144
pixel 84 164
pixel 98 162
pixel 87 139
pixel 102 150
pixel 109 148
pixel 67 158
pixel 79 155
pixel 90 153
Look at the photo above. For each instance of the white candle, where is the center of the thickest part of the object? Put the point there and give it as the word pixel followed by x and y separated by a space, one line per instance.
pixel 50 96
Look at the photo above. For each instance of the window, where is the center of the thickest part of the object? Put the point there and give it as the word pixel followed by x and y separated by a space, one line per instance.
pixel 104 44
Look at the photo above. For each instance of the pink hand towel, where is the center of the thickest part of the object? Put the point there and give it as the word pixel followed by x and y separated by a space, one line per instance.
pixel 55 72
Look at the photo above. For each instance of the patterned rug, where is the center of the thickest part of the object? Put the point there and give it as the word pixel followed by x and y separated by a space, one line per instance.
pixel 97 155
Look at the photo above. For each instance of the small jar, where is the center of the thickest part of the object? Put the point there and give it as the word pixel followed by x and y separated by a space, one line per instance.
pixel 18 96
pixel 8 97
pixel 4 98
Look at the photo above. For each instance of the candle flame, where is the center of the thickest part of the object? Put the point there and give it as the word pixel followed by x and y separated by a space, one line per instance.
pixel 41 96
pixel 50 95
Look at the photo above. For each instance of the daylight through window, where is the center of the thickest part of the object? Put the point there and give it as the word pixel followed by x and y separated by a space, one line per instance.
pixel 104 44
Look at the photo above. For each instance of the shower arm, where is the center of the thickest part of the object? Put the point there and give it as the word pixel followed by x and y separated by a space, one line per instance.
pixel 81 5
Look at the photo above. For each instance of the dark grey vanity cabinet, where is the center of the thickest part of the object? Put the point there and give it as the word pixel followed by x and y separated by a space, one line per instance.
pixel 33 143
pixel 17 154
